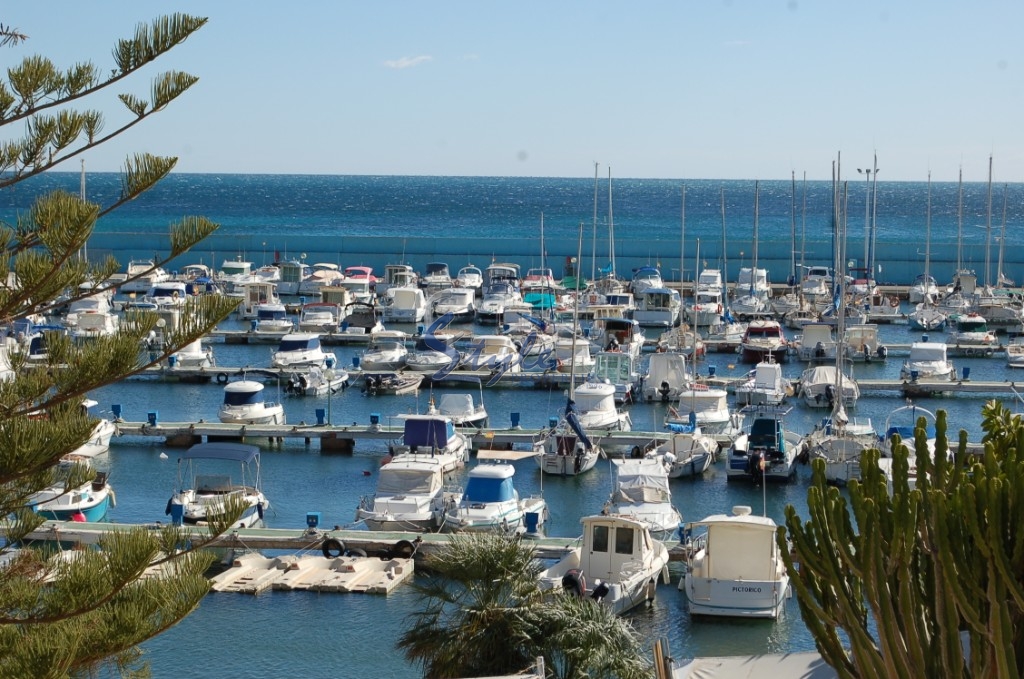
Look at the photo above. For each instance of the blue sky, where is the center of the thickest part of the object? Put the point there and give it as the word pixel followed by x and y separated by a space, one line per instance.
pixel 738 89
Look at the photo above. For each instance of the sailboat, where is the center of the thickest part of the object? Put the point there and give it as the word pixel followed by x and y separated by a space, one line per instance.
pixel 753 279
pixel 567 450
pixel 726 328
pixel 927 316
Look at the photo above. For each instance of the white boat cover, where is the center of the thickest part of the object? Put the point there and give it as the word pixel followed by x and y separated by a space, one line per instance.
pixel 808 665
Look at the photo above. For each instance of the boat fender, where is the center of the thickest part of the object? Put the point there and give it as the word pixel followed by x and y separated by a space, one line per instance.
pixel 222 378
pixel 356 552
pixel 333 547
pixel 600 591
pixel 403 549
pixel 636 453
pixel 167 511
pixel 259 510
pixel 573 582
pixel 894 302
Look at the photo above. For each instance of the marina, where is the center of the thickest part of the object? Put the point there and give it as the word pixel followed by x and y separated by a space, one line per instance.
pixel 324 456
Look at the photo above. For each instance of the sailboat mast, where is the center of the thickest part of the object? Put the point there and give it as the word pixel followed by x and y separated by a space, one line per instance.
pixel 803 224
pixel 988 228
pixel 960 222
pixel 593 245
pixel 575 320
pixel 1002 244
pixel 611 225
pixel 542 241
pixel 792 230
pixel 725 250
pixel 682 247
pixel 928 234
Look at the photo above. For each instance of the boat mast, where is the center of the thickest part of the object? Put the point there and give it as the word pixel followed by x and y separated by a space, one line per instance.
pixel 611 226
pixel 803 230
pixel 753 270
pixel 928 235
pixel 84 254
pixel 1002 244
pixel 575 322
pixel 682 254
pixel 960 222
pixel 593 245
pixel 792 231
pixel 988 228
pixel 541 240
pixel 725 251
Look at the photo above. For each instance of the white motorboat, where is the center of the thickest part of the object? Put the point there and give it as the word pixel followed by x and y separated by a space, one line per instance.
pixel 616 334
pixel 1015 352
pixel 205 487
pixel 99 439
pixel 470 277
pixel 244 404
pixel 765 386
pixel 319 317
pixel 642 492
pixel 291 273
pixel 316 381
pixel 497 297
pixel 762 338
pixel 378 384
pixel 766 449
pixel 688 451
pixel 735 568
pixel 411 494
pixel 658 308
pixel 710 407
pixel 645 278
pixel 461 408
pixel 667 376
pixel 458 304
pixel 436 277
pixel 572 355
pixel 397 276
pixel 322 274
pixel 490 501
pixel 619 370
pixel 431 433
pixel 817 342
pixel 360 321
pixel 860 343
pixel 88 502
pixel 405 305
pixel 271 318
pixel 753 291
pixel 971 336
pixel 141 275
pixel 927 362
pixel 254 294
pixel 193 356
pixel 820 384
pixel 93 324
pixel 301 349
pixel 494 353
pixel 708 305
pixel 433 353
pixel 386 351
pixel 620 557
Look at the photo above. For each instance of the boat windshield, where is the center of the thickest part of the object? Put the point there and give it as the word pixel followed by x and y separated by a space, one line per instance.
pixel 407 481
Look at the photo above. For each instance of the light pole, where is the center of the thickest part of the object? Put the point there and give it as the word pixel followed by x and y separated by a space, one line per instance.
pixel 868 225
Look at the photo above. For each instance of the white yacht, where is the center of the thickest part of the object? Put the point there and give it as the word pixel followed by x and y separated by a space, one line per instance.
pixel 411 494
pixel 301 349
pixel 244 404
pixel 642 492
pixel 766 449
pixel 735 568
pixel 386 351
pixel 658 308
pixel 490 501
pixel 927 362
pixel 765 385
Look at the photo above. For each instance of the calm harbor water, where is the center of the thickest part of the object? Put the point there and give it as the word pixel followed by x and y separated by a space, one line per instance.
pixel 307 634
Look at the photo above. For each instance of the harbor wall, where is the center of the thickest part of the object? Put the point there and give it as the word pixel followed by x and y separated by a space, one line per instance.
pixel 899 263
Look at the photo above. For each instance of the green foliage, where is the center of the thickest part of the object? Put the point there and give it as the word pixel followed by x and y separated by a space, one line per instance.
pixel 923 577
pixel 66 613
pixel 483 613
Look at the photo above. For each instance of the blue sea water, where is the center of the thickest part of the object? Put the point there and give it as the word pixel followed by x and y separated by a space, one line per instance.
pixel 304 634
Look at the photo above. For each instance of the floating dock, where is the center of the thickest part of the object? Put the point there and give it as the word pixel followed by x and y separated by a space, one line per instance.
pixel 252 573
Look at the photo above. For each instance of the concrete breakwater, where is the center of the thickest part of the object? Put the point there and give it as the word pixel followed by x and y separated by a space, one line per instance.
pixel 896 262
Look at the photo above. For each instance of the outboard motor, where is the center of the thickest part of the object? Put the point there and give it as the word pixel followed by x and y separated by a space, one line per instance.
pixel 664 390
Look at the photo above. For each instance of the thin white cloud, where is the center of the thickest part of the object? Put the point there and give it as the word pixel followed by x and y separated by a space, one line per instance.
pixel 407 62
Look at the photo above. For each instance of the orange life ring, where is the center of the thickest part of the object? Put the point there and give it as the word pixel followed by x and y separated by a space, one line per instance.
pixel 894 302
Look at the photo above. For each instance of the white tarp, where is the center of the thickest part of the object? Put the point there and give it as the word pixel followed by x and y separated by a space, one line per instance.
pixel 790 665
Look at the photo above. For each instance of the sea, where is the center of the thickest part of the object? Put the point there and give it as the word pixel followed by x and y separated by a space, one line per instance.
pixel 354 635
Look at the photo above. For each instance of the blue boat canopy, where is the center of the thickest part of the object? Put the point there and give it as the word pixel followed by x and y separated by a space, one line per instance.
pixel 222 450
pixel 428 432
pixel 488 489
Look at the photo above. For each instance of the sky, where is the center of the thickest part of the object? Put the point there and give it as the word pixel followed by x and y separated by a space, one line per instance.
pixel 712 89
